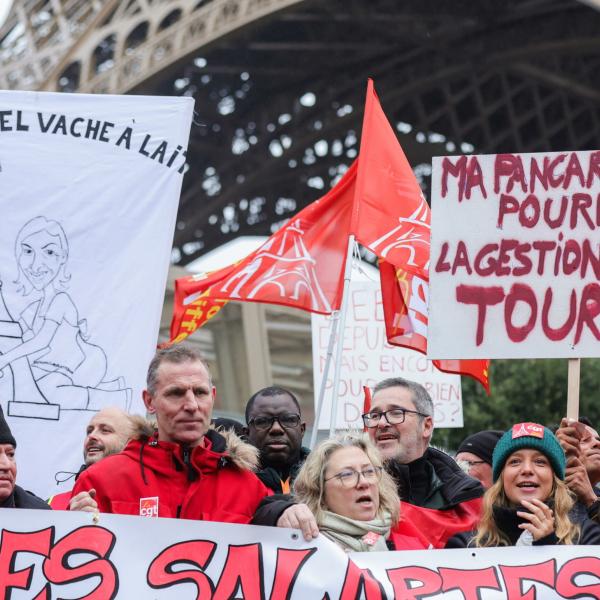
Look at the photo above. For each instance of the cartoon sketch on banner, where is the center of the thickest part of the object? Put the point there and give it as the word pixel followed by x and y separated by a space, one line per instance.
pixel 45 349
pixel 298 273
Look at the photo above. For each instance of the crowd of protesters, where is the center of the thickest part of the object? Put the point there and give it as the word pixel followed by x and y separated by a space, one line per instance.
pixel 384 489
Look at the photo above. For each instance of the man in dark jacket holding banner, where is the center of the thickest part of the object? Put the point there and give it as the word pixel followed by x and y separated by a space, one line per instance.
pixel 12 495
pixel 439 499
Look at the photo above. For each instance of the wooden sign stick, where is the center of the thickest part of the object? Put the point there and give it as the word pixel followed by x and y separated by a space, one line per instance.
pixel 573 389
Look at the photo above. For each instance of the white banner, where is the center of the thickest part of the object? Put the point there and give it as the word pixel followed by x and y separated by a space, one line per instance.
pixel 89 188
pixel 46 554
pixel 367 359
pixel 515 256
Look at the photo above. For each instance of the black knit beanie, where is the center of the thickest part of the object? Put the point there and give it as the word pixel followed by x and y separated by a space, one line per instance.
pixel 6 437
pixel 481 444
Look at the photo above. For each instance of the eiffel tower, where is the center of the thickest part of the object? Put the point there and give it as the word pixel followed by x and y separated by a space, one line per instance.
pixel 279 88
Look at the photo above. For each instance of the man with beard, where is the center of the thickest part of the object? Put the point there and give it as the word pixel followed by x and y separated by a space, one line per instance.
pixel 106 434
pixel 438 498
pixel 274 425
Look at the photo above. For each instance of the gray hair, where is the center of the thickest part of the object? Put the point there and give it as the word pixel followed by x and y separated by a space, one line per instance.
pixel 309 485
pixel 420 396
pixel 178 353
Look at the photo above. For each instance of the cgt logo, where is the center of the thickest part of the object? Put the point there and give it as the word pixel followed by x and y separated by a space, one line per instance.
pixel 149 507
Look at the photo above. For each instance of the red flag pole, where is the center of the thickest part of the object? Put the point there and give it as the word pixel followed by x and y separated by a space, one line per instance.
pixel 340 340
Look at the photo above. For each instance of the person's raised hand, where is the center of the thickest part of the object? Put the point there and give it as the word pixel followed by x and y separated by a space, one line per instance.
pixel 540 518
pixel 568 434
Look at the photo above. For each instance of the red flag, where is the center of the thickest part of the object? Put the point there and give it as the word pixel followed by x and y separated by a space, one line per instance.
pixel 390 217
pixel 301 265
pixel 405 300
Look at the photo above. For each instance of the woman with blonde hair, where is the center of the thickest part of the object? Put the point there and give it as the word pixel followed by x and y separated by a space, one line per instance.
pixel 529 502
pixel 353 499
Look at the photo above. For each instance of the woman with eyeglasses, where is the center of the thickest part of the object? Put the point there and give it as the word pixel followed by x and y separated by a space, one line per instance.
pixel 529 502
pixel 353 499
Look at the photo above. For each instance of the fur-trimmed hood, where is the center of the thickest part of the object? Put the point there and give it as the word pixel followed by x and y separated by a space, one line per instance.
pixel 226 443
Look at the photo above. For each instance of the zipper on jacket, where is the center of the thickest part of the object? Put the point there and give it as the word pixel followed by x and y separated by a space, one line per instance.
pixel 192 475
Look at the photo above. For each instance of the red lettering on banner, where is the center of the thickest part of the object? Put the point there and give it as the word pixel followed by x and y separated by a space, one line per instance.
pixel 583 314
pixel 90 539
pixel 85 540
pixel 515 576
pixel 287 568
pixel 469 582
pixel 557 221
pixel 529 213
pixel 565 581
pixel 468 171
pixel 519 293
pixel 507 205
pixel 243 568
pixel 573 169
pixel 357 580
pixel 442 264
pixel 559 333
pixel 13 543
pixel 196 552
pixel 589 308
pixel 482 297
pixel 461 258
pixel 404 578
pixel 508 165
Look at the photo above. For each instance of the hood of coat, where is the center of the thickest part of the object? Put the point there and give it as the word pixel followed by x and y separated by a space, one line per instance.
pixel 221 449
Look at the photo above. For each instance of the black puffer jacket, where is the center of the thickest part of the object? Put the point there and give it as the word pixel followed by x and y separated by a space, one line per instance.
pixel 21 498
pixel 272 477
pixel 433 481
pixel 508 522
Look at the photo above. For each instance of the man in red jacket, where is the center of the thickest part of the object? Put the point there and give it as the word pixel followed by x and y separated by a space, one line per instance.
pixel 184 469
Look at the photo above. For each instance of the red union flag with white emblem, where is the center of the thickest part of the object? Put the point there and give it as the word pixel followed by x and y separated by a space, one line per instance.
pixel 391 217
pixel 301 265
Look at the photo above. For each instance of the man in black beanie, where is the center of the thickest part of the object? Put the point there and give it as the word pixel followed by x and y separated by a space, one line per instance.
pixel 476 451
pixel 11 495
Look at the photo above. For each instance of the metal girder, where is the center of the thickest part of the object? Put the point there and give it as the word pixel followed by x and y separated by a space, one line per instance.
pixel 279 85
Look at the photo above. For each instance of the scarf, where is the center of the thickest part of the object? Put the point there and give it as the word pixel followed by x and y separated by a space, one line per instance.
pixel 356 536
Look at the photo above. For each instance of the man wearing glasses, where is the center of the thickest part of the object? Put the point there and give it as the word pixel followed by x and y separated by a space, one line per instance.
pixel 400 423
pixel 275 427
pixel 476 452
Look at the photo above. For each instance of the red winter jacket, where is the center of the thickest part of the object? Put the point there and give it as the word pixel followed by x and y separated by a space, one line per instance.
pixel 151 478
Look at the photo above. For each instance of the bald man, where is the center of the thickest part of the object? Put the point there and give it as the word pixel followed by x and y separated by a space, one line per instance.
pixel 106 434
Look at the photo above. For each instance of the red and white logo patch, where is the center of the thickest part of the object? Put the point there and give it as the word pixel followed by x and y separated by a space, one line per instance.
pixel 149 507
pixel 527 429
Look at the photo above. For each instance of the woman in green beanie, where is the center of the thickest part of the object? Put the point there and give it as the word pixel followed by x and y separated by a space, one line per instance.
pixel 529 502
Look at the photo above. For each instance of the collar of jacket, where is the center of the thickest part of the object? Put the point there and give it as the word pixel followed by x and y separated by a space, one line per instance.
pixel 219 451
pixel 272 477
pixel 454 484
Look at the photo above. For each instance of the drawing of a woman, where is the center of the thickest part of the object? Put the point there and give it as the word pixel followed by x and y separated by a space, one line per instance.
pixel 67 370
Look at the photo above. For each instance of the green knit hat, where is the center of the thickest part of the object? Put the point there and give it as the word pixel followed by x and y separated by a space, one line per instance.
pixel 529 435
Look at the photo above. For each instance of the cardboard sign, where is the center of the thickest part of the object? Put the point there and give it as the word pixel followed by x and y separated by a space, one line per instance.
pixel 515 256
pixel 367 359
pixel 45 554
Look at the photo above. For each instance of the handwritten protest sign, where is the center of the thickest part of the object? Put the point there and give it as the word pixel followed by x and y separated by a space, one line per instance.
pixel 367 358
pixel 515 252
pixel 45 554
